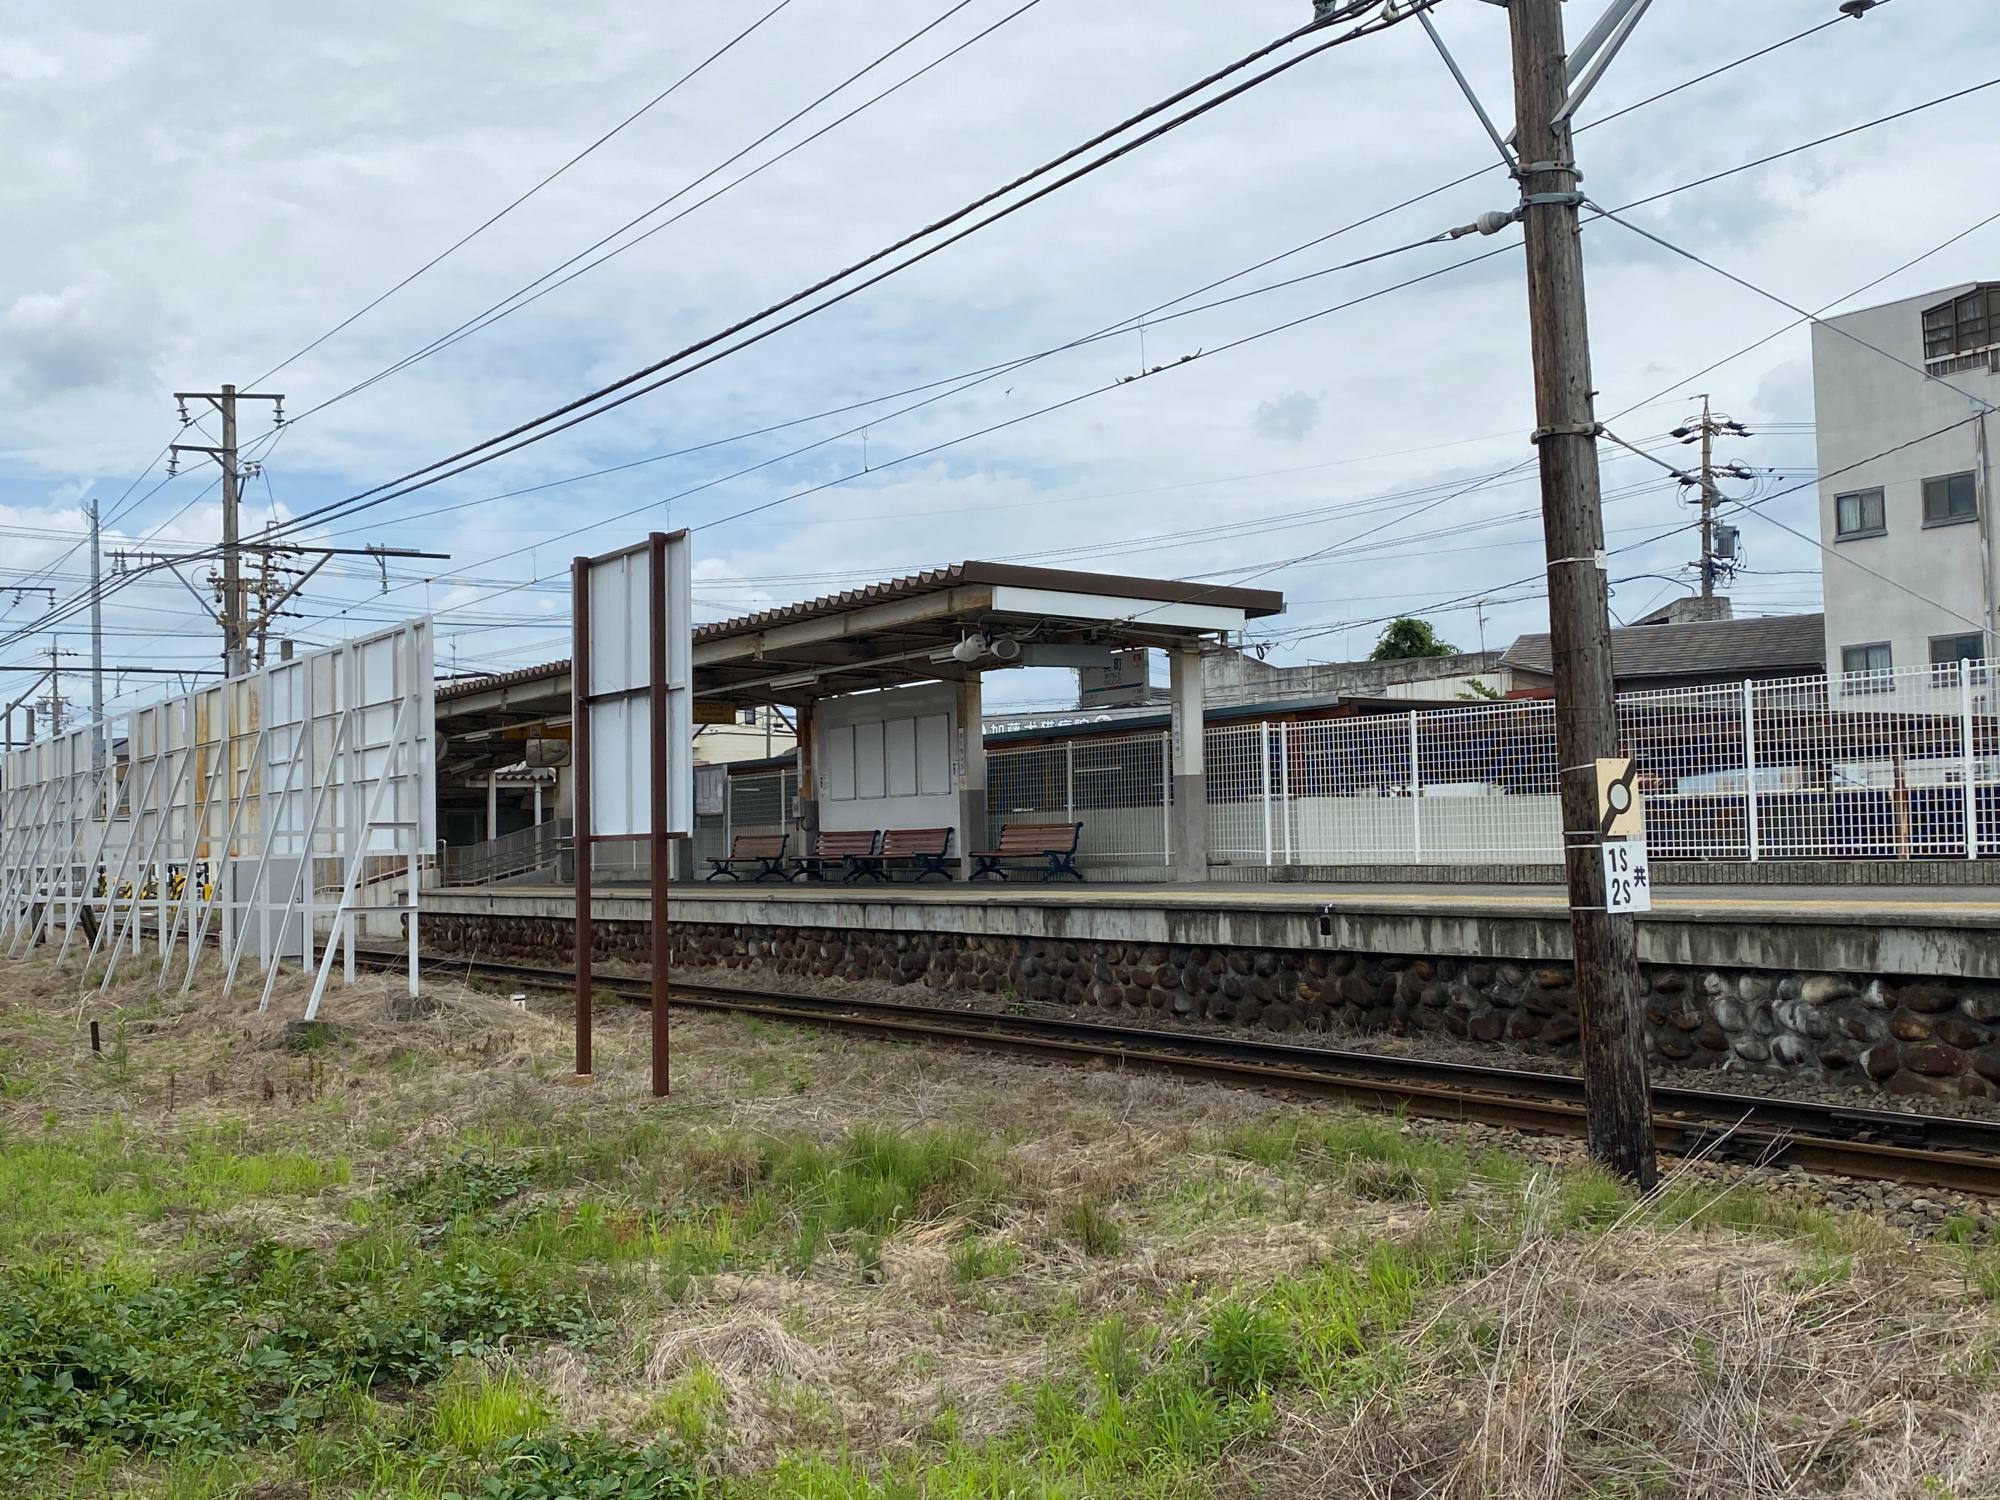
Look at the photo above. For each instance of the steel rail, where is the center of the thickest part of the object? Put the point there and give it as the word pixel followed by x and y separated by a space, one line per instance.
pixel 1855 1141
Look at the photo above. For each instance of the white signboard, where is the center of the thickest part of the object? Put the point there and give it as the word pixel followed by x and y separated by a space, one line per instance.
pixel 621 673
pixel 1118 685
pixel 1628 884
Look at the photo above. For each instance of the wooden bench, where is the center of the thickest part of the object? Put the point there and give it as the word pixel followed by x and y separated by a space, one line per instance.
pixel 833 849
pixel 1050 845
pixel 927 848
pixel 764 850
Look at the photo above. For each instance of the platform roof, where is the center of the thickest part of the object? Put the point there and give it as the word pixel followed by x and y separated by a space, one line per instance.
pixel 886 634
pixel 889 633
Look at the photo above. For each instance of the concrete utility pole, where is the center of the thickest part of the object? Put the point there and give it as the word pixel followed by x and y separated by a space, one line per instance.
pixel 96 642
pixel 232 559
pixel 1712 425
pixel 55 699
pixel 232 615
pixel 1616 1095
pixel 1707 503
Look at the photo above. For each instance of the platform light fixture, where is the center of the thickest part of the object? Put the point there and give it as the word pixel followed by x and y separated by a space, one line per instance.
pixel 794 680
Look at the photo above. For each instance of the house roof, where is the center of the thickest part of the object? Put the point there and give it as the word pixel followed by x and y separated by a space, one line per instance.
pixel 1772 646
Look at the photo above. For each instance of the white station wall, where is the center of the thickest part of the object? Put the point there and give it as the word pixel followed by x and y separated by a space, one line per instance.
pixel 888 759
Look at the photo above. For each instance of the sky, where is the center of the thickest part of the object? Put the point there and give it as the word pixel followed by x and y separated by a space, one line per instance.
pixel 198 195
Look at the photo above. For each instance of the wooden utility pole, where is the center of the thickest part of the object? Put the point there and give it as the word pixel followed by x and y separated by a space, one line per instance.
pixel 1616 1096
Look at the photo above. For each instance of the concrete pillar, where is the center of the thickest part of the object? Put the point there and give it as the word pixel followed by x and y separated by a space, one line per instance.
pixel 538 804
pixel 492 805
pixel 806 822
pixel 972 774
pixel 1188 768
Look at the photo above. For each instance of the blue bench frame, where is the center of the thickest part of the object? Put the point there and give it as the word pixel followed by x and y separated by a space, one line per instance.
pixel 771 866
pixel 876 866
pixel 1060 862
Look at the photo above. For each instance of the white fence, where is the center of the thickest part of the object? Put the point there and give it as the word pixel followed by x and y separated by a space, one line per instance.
pixel 758 802
pixel 234 811
pixel 1885 765
pixel 1118 787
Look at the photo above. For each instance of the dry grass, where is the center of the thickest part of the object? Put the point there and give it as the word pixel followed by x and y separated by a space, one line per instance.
pixel 1645 1359
pixel 1691 1363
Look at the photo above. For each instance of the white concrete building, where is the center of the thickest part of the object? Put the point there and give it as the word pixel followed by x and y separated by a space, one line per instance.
pixel 1922 515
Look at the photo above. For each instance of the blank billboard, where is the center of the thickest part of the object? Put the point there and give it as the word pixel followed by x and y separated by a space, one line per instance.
pixel 621 668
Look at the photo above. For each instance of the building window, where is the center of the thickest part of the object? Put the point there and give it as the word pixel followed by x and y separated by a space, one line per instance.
pixel 1865 669
pixel 1947 651
pixel 1949 499
pixel 1963 324
pixel 1859 513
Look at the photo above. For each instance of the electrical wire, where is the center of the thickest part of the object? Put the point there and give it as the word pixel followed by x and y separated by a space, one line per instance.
pixel 492 447
pixel 519 298
pixel 479 229
pixel 1698 182
pixel 1628 110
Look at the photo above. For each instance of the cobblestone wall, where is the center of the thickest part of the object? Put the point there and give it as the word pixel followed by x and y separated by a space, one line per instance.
pixel 1907 1037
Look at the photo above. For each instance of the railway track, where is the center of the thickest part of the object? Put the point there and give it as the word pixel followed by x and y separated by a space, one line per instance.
pixel 1892 1145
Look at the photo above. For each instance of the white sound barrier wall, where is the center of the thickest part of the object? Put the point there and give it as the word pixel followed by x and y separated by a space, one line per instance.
pixel 253 812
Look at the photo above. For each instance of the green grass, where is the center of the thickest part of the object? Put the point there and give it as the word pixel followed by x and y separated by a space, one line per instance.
pixel 257 1348
pixel 94 1188
pixel 1148 1413
pixel 693 1408
pixel 975 1260
pixel 1089 1226
pixel 388 1363
pixel 1369 1154
pixel 477 1411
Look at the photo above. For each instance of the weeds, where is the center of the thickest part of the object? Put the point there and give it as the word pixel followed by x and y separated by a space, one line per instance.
pixel 1372 1156
pixel 588 1465
pixel 255 1349
pixel 1086 1224
pixel 977 1260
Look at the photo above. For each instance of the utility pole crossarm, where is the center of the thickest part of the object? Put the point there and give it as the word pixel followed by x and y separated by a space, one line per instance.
pixel 235 633
pixel 206 607
pixel 270 606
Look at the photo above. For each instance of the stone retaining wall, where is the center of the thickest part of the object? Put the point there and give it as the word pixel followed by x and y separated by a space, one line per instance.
pixel 1919 1036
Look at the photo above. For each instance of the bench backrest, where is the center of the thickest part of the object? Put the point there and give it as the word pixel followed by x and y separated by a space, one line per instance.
pixel 757 845
pixel 904 843
pixel 1038 838
pixel 838 845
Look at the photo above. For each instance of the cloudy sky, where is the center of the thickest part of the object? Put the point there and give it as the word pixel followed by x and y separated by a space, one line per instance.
pixel 196 194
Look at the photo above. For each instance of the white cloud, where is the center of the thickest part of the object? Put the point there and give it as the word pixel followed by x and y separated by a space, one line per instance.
pixel 177 234
pixel 1287 418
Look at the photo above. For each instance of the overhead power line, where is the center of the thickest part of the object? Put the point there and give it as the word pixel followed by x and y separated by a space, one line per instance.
pixel 470 235
pixel 583 407
pixel 118 507
pixel 1095 391
pixel 523 295
pixel 1640 104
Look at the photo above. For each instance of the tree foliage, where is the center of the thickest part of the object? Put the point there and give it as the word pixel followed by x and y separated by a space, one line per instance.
pixel 1410 637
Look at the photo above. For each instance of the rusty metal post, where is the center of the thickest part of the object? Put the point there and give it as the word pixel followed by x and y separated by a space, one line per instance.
pixel 579 670
pixel 660 847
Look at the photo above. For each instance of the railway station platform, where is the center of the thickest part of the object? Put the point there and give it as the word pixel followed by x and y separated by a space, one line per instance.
pixel 1909 930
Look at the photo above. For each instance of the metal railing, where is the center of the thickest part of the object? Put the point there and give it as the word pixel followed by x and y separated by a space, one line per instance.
pixel 759 802
pixel 526 851
pixel 1118 787
pixel 1900 765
